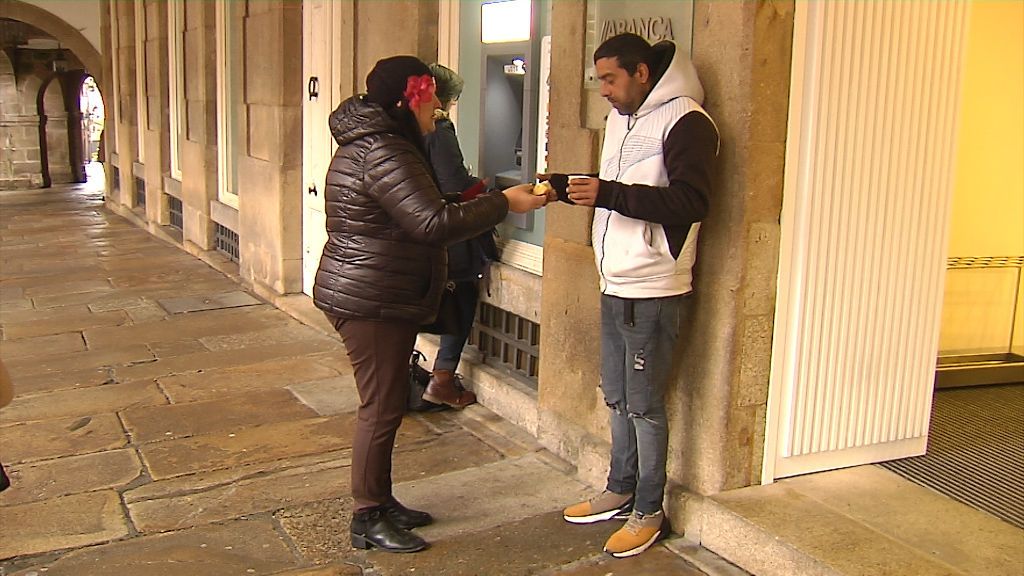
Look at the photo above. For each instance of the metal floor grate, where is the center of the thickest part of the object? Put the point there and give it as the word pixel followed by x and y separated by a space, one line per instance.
pixel 975 450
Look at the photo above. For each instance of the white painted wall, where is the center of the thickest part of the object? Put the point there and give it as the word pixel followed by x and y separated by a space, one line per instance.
pixel 82 14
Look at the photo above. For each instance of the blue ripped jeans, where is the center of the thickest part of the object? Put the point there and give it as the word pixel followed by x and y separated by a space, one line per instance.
pixel 638 339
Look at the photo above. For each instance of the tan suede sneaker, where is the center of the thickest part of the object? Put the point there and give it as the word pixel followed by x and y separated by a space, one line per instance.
pixel 638 534
pixel 605 506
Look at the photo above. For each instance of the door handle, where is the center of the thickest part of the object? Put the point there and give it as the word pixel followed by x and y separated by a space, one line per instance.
pixel 313 88
pixel 312 190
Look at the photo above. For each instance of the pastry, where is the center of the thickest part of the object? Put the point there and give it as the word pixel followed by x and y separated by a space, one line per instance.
pixel 542 188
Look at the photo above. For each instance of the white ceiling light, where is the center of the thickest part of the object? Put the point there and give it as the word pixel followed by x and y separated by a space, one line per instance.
pixel 505 21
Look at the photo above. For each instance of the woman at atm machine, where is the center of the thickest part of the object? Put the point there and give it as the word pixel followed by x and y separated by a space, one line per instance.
pixel 467 260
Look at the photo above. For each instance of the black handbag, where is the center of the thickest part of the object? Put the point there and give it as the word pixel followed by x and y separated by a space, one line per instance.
pixel 448 316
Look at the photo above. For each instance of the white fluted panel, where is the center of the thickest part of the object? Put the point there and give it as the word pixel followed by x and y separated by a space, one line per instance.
pixel 868 183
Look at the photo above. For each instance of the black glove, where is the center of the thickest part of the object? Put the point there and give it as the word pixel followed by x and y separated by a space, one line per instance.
pixel 560 182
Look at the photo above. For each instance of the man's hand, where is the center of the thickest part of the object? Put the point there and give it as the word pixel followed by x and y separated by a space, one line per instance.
pixel 583 190
pixel 521 198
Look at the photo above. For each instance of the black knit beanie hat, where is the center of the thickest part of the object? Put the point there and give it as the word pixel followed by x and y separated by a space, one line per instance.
pixel 386 83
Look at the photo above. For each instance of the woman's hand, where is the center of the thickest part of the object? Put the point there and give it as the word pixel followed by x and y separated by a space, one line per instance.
pixel 521 198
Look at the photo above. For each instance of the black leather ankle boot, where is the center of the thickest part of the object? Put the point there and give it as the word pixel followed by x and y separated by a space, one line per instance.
pixel 373 528
pixel 406 518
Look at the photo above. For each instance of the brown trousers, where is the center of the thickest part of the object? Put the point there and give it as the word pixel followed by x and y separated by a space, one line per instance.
pixel 379 353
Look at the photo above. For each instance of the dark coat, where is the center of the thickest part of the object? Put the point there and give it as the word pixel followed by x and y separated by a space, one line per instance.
pixel 387 224
pixel 467 260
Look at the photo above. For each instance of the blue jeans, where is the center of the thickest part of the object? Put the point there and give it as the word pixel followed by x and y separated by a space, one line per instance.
pixel 638 338
pixel 450 352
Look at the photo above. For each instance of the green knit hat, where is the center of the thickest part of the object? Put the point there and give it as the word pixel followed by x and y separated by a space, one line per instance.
pixel 449 83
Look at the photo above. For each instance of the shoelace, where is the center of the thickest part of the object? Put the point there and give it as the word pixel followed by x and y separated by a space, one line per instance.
pixel 635 523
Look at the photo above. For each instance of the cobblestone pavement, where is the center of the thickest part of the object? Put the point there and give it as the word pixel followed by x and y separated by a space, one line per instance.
pixel 168 423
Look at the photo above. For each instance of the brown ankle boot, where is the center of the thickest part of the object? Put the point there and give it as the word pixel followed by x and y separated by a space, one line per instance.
pixel 442 389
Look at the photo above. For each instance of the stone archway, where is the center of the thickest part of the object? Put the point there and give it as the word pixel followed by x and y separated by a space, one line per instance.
pixel 61 31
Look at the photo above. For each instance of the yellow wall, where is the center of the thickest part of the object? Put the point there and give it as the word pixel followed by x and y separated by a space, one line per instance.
pixel 988 198
pixel 988 201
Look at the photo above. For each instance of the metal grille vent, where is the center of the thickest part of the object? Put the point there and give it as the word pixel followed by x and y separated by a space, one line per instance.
pixel 226 242
pixel 985 262
pixel 975 450
pixel 175 209
pixel 508 340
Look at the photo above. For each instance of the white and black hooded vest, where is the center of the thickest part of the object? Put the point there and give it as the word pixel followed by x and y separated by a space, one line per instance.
pixel 637 257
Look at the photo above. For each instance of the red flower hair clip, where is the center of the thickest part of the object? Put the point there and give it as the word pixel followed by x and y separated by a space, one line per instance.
pixel 419 89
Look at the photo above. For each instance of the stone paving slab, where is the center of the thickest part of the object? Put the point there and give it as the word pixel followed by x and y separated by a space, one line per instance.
pixel 63 380
pixel 66 522
pixel 47 439
pixel 976 543
pixel 103 302
pixel 116 302
pixel 336 360
pixel 70 311
pixel 233 299
pixel 210 480
pixel 84 401
pixel 220 359
pixel 69 323
pixel 15 305
pixel 176 348
pixel 821 532
pixel 287 332
pixel 501 434
pixel 243 379
pixel 320 531
pixel 241 498
pixel 242 548
pixel 150 312
pixel 197 325
pixel 36 289
pixel 521 548
pixel 657 560
pixel 42 346
pixel 491 491
pixel 173 421
pixel 58 363
pixel 260 444
pixel 71 475
pixel 9 292
pixel 333 570
pixel 328 396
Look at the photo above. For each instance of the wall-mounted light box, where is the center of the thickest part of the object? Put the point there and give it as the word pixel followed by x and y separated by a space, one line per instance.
pixel 505 21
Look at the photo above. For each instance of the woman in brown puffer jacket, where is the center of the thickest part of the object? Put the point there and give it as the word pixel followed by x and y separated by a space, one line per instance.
pixel 383 270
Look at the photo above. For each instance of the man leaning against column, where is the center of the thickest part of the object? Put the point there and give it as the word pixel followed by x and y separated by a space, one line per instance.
pixel 651 194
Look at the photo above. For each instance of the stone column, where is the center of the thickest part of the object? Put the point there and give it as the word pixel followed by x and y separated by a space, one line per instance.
pixel 270 150
pixel 19 135
pixel 199 142
pixel 154 133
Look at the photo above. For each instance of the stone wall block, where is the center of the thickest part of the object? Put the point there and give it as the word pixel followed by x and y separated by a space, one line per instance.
pixel 762 249
pixel 263 62
pixel 755 360
pixel 771 71
pixel 571 320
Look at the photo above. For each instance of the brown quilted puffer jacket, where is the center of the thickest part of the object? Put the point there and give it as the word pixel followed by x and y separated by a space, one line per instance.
pixel 387 224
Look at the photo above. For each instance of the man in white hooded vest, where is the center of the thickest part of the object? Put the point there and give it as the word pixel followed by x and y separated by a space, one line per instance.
pixel 651 194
